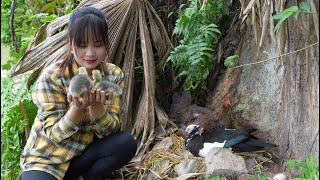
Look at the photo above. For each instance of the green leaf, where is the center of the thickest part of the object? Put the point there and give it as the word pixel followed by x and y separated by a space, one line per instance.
pixel 283 15
pixel 50 18
pixel 286 13
pixel 8 64
pixel 230 61
pixel 305 7
pixel 266 53
pixel 213 178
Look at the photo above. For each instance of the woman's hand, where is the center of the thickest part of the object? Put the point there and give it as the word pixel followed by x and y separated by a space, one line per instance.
pixel 78 106
pixel 94 99
pixel 99 99
pixel 100 96
pixel 82 102
pixel 89 98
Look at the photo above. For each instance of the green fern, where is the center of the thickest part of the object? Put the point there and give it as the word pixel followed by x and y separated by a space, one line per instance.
pixel 192 57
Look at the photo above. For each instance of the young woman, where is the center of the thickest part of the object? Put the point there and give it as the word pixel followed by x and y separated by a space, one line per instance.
pixel 77 137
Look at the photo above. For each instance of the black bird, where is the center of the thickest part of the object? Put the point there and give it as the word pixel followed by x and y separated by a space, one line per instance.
pixel 199 143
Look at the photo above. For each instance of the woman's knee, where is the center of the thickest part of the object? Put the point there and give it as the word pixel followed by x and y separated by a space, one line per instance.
pixel 122 146
pixel 127 140
pixel 35 174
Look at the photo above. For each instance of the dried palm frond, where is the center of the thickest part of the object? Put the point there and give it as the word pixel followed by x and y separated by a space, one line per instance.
pixel 271 24
pixel 145 114
pixel 260 22
pixel 124 18
pixel 265 20
pixel 315 17
pixel 254 24
pixel 282 33
pixel 247 10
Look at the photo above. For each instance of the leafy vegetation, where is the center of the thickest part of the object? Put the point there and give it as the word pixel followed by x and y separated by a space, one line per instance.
pixel 28 17
pixel 17 111
pixel 195 25
pixel 286 13
pixel 17 108
pixel 309 168
pixel 231 60
pixel 213 178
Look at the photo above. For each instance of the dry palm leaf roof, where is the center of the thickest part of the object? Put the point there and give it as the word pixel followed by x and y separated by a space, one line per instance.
pixel 127 19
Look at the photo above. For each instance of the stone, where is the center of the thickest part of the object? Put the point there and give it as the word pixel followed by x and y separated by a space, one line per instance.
pixel 250 163
pixel 221 161
pixel 244 177
pixel 188 176
pixel 189 166
pixel 280 176
pixel 186 166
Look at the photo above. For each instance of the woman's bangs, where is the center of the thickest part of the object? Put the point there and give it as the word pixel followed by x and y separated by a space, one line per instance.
pixel 90 28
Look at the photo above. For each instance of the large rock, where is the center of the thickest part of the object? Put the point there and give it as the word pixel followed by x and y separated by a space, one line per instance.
pixel 221 161
pixel 189 166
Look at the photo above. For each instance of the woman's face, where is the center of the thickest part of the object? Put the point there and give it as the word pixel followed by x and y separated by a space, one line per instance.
pixel 89 55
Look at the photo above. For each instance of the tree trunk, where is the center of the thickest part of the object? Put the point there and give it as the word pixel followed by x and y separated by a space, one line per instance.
pixel 279 97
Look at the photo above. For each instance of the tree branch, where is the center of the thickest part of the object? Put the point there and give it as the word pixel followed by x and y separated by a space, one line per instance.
pixel 11 24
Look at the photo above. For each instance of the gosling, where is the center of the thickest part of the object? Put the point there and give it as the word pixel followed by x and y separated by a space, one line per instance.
pixel 104 84
pixel 80 83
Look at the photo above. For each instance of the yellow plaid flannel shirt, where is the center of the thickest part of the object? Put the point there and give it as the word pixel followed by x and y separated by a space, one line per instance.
pixel 54 139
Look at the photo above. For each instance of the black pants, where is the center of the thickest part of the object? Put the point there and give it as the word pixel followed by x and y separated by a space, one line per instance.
pixel 98 160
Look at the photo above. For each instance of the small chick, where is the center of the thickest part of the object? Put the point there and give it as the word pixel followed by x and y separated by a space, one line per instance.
pixel 80 83
pixel 96 76
pixel 104 84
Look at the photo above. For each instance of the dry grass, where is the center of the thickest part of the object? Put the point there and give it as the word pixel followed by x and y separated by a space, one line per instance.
pixel 159 162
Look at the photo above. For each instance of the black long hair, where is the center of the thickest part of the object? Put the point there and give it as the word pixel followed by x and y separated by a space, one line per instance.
pixel 84 22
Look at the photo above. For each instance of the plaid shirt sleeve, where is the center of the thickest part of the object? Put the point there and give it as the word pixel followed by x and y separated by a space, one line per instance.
pixel 51 100
pixel 109 120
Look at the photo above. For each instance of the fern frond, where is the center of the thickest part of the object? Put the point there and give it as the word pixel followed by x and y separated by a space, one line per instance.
pixel 192 57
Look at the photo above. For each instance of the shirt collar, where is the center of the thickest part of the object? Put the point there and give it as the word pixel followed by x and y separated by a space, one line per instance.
pixel 75 68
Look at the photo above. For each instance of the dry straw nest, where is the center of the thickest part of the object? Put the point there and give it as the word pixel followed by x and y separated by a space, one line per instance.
pixel 159 163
